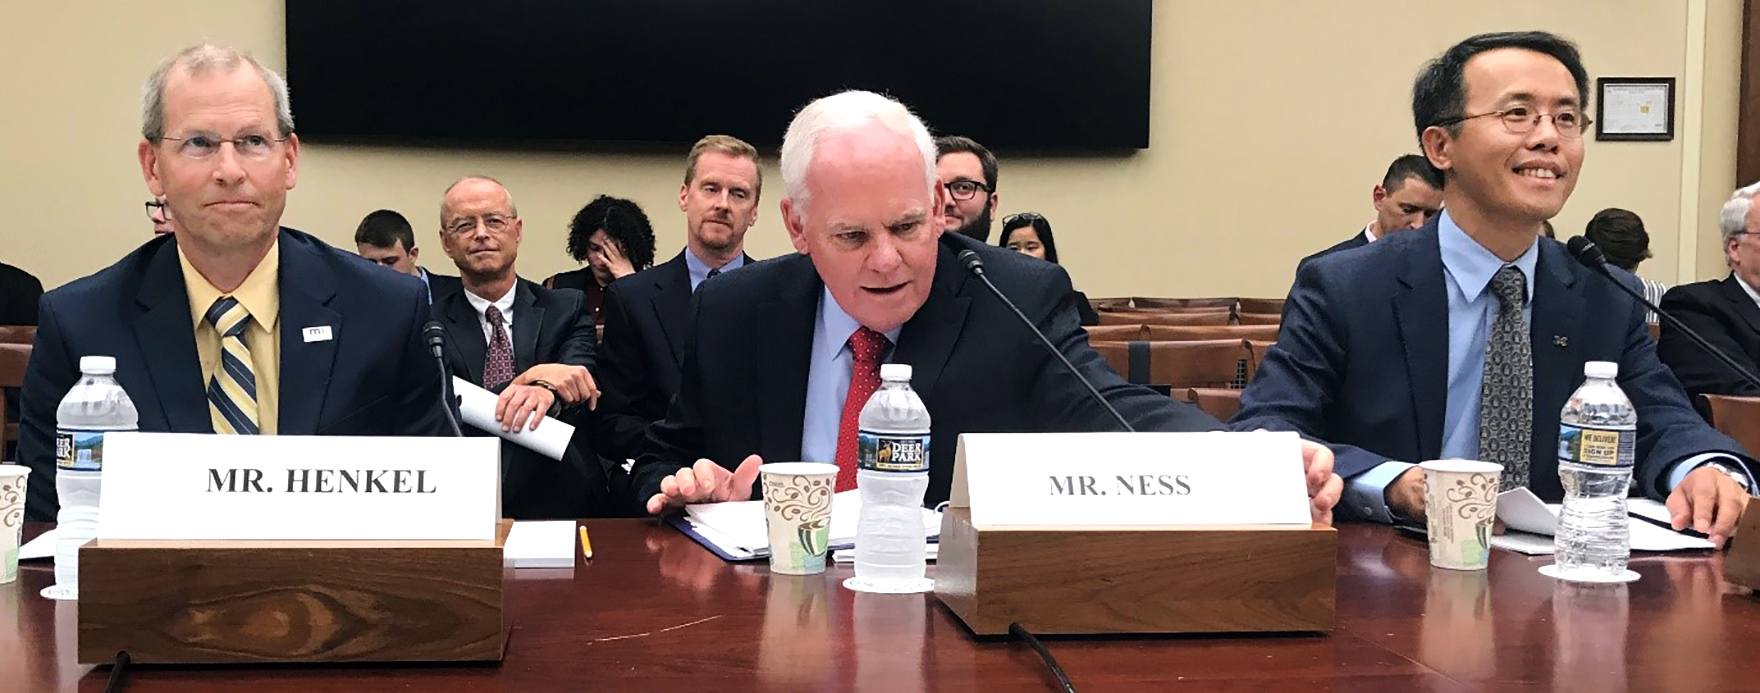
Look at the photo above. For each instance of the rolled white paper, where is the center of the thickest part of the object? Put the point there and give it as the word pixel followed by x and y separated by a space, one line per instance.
pixel 477 409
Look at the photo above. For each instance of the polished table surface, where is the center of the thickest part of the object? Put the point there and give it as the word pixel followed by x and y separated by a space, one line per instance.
pixel 652 611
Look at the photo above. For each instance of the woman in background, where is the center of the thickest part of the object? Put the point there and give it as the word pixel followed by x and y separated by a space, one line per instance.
pixel 1621 237
pixel 1028 233
pixel 612 235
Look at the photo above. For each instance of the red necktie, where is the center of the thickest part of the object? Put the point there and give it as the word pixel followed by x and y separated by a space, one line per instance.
pixel 865 347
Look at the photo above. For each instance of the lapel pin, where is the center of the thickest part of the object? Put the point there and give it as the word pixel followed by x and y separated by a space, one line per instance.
pixel 1560 341
pixel 320 333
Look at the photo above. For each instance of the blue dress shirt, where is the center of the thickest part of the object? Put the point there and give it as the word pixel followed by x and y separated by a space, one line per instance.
pixel 1471 311
pixel 699 270
pixel 828 378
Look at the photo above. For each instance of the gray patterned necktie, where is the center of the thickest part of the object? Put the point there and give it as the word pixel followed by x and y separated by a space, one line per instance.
pixel 1506 393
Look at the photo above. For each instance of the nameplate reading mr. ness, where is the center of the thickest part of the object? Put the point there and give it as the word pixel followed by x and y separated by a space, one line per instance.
pixel 181 486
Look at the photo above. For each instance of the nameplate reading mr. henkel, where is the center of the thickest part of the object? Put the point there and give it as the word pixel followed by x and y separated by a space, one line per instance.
pixel 168 486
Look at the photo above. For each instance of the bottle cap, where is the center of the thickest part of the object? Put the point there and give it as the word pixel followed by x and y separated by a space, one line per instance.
pixel 1601 369
pixel 97 365
pixel 895 371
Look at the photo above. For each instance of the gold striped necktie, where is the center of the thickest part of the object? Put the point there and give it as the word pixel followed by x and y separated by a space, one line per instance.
pixel 232 391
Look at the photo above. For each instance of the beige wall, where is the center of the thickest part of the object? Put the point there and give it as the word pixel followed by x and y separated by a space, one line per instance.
pixel 1271 121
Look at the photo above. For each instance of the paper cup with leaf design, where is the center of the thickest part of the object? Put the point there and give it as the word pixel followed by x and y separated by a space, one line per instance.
pixel 1460 498
pixel 12 478
pixel 797 506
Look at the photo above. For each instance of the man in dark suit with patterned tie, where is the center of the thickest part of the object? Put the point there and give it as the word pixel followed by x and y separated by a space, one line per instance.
pixel 532 345
pixel 1465 338
pixel 1408 196
pixel 232 324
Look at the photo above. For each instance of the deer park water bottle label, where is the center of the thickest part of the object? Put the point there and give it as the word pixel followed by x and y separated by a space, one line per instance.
pixel 1601 447
pixel 892 453
pixel 80 451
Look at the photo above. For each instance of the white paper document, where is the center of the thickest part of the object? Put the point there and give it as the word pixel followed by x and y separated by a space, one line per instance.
pixel 41 547
pixel 739 527
pixel 476 409
pixel 540 544
pixel 1530 525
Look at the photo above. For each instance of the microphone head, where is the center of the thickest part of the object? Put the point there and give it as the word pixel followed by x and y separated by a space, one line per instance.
pixel 969 259
pixel 1585 251
pixel 434 333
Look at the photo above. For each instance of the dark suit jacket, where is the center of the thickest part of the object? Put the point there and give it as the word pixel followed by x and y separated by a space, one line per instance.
pixel 1362 361
pixel 1357 241
pixel 647 318
pixel 373 377
pixel 549 326
pixel 743 387
pixel 1724 314
pixel 19 291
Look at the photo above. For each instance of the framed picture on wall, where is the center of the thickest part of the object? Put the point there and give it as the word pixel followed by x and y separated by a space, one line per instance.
pixel 1634 109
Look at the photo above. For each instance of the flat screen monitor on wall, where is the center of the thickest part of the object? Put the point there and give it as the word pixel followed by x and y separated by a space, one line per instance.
pixel 1019 74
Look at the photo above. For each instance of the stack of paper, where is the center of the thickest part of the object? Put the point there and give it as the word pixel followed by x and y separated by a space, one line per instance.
pixel 1530 525
pixel 540 544
pixel 737 531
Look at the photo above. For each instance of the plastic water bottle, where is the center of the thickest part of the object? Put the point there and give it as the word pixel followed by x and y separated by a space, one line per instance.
pixel 1597 439
pixel 95 406
pixel 892 453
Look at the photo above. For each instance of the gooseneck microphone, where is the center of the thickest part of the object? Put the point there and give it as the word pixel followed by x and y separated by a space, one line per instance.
pixel 975 266
pixel 1585 252
pixel 436 338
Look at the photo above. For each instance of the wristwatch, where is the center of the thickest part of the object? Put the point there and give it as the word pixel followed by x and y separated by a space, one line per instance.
pixel 1734 472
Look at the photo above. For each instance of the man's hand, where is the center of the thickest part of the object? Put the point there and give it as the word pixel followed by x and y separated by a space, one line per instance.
pixel 706 482
pixel 1710 502
pixel 616 261
pixel 573 383
pixel 521 402
pixel 1324 487
pixel 1406 494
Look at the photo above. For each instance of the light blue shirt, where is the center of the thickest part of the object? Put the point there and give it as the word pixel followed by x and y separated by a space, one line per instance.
pixel 1472 308
pixel 425 284
pixel 699 270
pixel 828 376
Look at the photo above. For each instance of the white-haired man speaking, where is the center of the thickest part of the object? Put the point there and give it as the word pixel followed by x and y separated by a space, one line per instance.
pixel 777 347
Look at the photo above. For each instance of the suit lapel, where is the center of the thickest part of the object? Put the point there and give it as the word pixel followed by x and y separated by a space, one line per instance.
pixel 672 304
pixel 528 320
pixel 785 345
pixel 927 339
pixel 466 336
pixel 306 289
pixel 1744 305
pixel 1420 308
pixel 168 346
pixel 1554 326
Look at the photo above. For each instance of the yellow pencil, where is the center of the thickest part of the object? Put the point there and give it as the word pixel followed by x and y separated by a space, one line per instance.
pixel 586 546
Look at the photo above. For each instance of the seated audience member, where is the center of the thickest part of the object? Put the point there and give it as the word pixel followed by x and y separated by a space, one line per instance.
pixel 19 291
pixel 1028 233
pixel 385 237
pixel 647 315
pixel 229 284
pixel 612 235
pixel 532 345
pixel 968 171
pixel 160 215
pixel 1726 312
pixel 1465 338
pixel 782 354
pixel 1621 237
pixel 1408 196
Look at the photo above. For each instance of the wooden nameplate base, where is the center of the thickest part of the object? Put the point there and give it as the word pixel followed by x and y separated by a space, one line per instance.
pixel 1187 579
pixel 1742 565
pixel 292 601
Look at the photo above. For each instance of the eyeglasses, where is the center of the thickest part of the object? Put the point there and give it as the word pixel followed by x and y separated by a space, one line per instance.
pixel 495 223
pixel 966 189
pixel 157 211
pixel 1024 217
pixel 202 145
pixel 1521 120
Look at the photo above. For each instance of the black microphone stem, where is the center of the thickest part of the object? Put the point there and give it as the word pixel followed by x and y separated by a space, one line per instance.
pixel 976 266
pixel 1688 331
pixel 436 337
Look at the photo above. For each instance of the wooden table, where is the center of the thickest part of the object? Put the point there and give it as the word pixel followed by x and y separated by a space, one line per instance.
pixel 653 611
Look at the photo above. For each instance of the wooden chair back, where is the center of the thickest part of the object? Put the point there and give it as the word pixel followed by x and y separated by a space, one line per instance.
pixel 1117 333
pixel 1736 417
pixel 1213 317
pixel 1222 403
pixel 1187 333
pixel 1175 365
